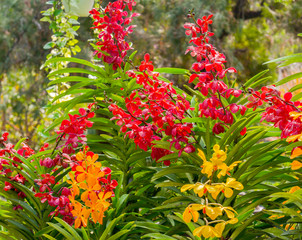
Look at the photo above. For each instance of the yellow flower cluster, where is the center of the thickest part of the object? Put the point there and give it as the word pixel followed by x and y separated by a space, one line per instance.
pixel 212 210
pixel 94 199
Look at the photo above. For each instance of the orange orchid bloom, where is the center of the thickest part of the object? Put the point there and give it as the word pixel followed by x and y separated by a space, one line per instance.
pixel 81 214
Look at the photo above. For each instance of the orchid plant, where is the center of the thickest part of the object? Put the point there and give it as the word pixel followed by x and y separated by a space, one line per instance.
pixel 212 161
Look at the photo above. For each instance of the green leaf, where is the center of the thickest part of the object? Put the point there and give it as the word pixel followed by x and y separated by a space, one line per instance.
pixel 158 236
pixel 75 60
pixel 110 227
pixel 118 235
pixel 290 78
pixel 49 237
pixel 43 231
pixel 174 170
pixel 85 235
pixel 69 229
pixel 152 226
pixel 19 143
pixel 121 201
pixel 74 70
pixel 61 230
pixel 69 79
pixel 253 79
pixel 172 70
pixel 49 45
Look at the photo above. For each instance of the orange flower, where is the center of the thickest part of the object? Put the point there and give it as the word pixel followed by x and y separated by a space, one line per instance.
pixel 294 138
pixel 81 215
pixel 297 152
pixel 74 189
pixel 293 189
pixel 296 165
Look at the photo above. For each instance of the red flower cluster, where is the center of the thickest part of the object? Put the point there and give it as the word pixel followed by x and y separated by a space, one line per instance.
pixel 113 28
pixel 74 128
pixel 72 134
pixel 279 111
pixel 209 70
pixel 153 112
pixel 8 152
pixel 60 202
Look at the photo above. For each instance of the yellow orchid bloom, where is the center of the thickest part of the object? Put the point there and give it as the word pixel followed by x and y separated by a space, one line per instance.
pixel 209 231
pixel 215 163
pixel 233 221
pixel 231 183
pixel 199 188
pixel 218 156
pixel 229 211
pixel 214 190
pixel 202 155
pixel 226 169
pixel 207 168
pixel 191 212
pixel 219 227
pixel 212 212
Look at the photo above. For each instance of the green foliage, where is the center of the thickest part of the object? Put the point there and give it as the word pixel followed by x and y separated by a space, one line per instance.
pixel 148 203
pixel 148 198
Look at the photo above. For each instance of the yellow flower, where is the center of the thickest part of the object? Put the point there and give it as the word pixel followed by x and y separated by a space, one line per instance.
pixel 231 183
pixel 233 221
pixel 91 160
pixel 229 211
pixel 199 188
pixel 207 168
pixel 201 155
pixel 209 231
pixel 191 212
pixel 218 156
pixel 214 190
pixel 212 212
pixel 216 162
pixel 226 169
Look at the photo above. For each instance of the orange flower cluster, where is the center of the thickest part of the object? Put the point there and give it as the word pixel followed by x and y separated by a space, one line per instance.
pixel 87 180
pixel 297 151
pixel 207 209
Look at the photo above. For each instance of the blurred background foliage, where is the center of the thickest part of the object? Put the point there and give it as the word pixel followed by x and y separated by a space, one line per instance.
pixel 247 32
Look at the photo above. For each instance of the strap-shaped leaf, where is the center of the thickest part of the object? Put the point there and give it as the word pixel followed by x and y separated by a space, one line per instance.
pixel 74 70
pixel 110 227
pixel 69 229
pixel 158 236
pixel 61 230
pixel 74 60
pixel 172 70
